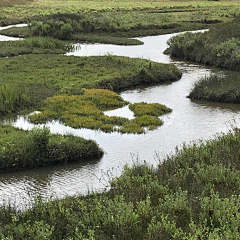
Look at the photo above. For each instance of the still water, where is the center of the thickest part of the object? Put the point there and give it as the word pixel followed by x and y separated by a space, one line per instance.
pixel 188 121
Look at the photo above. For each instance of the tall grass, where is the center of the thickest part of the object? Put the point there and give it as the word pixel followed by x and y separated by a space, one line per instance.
pixel 13 97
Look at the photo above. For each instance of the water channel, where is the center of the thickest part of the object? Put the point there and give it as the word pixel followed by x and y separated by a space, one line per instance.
pixel 189 121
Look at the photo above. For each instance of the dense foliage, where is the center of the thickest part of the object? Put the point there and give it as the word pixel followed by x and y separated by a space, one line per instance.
pixel 193 194
pixel 38 147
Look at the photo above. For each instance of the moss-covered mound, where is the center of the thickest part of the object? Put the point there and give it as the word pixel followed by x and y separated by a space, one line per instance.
pixel 38 147
pixel 86 111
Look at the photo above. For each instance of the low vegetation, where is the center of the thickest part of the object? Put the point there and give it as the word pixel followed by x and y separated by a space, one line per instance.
pixel 218 88
pixel 220 46
pixel 153 109
pixel 86 111
pixel 34 45
pixel 193 194
pixel 46 75
pixel 38 147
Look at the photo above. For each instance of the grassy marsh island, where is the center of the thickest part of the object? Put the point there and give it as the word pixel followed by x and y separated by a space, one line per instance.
pixel 46 75
pixel 38 147
pixel 193 194
pixel 219 47
pixel 86 111
pixel 114 21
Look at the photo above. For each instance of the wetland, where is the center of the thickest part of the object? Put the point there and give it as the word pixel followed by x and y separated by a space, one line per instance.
pixel 178 179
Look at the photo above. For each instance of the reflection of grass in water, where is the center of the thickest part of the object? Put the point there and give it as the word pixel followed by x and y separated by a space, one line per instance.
pixel 217 88
pixel 86 111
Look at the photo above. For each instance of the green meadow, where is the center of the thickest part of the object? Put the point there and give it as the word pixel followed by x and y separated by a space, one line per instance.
pixel 114 21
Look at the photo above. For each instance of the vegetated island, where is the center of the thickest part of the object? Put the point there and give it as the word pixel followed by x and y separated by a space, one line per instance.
pixel 38 147
pixel 86 111
pixel 28 80
pixel 115 21
pixel 219 47
pixel 193 194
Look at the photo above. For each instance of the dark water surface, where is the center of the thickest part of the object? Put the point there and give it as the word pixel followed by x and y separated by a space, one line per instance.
pixel 188 121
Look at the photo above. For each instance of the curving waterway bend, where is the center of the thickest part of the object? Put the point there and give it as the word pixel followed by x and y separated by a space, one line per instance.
pixel 188 121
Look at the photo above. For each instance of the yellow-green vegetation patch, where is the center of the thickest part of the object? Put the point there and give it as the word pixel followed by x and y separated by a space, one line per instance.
pixel 153 109
pixel 86 111
pixel 38 147
pixel 83 111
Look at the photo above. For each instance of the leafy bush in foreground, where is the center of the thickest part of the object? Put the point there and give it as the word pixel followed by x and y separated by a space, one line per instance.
pixel 193 194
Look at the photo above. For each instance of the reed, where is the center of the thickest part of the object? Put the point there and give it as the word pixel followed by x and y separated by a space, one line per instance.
pixel 217 47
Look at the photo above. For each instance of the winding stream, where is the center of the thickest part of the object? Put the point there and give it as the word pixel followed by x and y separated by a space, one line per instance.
pixel 188 121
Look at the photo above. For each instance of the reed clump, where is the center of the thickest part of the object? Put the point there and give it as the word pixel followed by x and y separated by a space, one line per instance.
pixel 38 147
pixel 218 88
pixel 193 194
